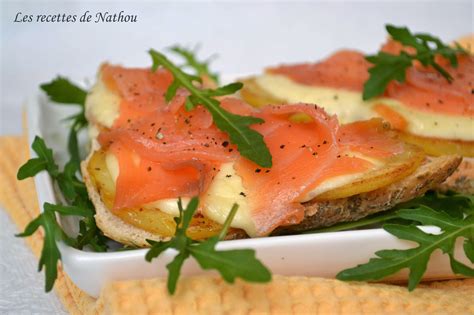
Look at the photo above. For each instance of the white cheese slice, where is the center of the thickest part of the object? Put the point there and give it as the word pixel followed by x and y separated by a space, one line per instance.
pixel 102 104
pixel 347 105
pixel 225 190
pixel 169 205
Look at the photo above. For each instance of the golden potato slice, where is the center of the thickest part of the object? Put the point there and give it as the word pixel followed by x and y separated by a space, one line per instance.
pixel 255 96
pixel 439 147
pixel 394 169
pixel 146 218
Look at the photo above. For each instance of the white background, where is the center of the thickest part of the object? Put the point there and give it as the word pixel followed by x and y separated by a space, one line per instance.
pixel 247 37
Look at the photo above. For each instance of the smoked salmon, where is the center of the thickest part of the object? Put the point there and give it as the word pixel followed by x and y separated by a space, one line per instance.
pixel 424 89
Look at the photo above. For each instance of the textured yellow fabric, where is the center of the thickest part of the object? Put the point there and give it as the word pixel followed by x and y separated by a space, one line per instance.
pixel 210 295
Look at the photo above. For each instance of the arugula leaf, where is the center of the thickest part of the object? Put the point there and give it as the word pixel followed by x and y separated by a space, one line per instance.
pixel 180 242
pixel 230 264
pixel 33 166
pixel 249 142
pixel 469 248
pixel 61 90
pixel 90 235
pixel 156 249
pixel 388 67
pixel 75 193
pixel 225 90
pixel 201 67
pixel 79 123
pixel 50 254
pixel 416 259
pixel 174 270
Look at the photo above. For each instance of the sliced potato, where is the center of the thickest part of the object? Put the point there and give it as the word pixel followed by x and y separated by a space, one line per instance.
pixel 255 96
pixel 149 219
pixel 394 169
pixel 439 147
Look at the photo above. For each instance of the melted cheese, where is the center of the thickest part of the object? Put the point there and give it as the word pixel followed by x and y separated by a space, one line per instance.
pixel 433 125
pixel 349 106
pixel 169 205
pixel 112 166
pixel 102 105
pixel 225 190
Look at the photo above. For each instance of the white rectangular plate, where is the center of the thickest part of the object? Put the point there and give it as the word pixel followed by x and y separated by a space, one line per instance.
pixel 322 255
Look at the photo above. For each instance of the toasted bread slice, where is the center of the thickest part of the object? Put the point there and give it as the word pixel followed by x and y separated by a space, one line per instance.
pixel 318 213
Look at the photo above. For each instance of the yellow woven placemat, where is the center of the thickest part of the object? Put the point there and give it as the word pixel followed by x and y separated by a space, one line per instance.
pixel 210 295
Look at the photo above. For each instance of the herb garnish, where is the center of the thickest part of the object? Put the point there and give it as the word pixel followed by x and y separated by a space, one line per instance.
pixel 75 193
pixel 201 67
pixel 431 209
pixel 249 142
pixel 388 67
pixel 61 91
pixel 230 264
pixel 70 184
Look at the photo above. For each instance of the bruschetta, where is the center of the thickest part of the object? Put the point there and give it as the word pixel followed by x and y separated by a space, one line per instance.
pixel 147 152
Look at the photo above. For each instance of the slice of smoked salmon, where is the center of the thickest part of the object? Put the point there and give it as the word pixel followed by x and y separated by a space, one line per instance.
pixel 141 181
pixel 424 89
pixel 304 155
pixel 427 90
pixel 372 138
pixel 346 69
pixel 178 151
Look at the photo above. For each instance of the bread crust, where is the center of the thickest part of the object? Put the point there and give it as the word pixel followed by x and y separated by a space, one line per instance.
pixel 462 179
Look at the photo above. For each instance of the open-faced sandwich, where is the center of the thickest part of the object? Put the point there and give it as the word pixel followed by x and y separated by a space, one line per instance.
pixel 148 152
pixel 429 101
